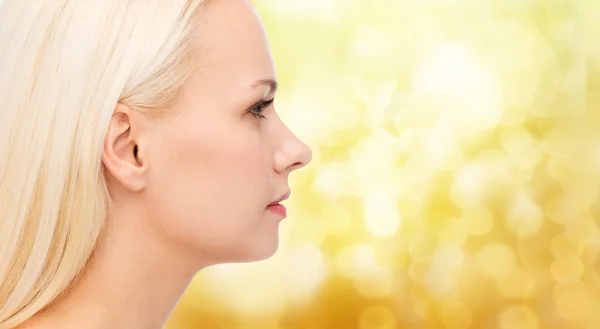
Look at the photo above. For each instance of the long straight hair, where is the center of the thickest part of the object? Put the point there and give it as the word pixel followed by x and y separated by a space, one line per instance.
pixel 64 65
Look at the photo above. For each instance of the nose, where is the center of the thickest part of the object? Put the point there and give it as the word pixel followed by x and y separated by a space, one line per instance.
pixel 291 153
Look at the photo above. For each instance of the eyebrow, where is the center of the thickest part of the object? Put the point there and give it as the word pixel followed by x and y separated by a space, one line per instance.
pixel 274 85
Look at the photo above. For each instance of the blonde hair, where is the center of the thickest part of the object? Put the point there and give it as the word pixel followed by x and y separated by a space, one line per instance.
pixel 64 65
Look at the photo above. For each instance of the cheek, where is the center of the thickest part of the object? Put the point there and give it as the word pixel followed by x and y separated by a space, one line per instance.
pixel 210 184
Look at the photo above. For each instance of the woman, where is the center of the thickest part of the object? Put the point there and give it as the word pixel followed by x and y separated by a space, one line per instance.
pixel 139 144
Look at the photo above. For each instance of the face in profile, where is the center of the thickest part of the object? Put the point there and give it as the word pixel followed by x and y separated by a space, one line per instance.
pixel 214 165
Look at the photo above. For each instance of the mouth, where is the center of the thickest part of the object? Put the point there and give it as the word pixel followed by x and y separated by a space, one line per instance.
pixel 278 208
pixel 282 198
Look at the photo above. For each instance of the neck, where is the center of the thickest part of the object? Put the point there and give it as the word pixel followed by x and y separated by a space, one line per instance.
pixel 132 281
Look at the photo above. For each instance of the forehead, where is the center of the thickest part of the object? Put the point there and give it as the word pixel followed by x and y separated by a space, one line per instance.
pixel 234 43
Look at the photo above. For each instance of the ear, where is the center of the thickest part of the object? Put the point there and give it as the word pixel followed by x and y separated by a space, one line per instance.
pixel 123 153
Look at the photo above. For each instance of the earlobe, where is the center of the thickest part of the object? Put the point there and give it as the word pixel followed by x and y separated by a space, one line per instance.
pixel 122 152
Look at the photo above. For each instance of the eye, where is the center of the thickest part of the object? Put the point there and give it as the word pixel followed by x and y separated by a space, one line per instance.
pixel 257 109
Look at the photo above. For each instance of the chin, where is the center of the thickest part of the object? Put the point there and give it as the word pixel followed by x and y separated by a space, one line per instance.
pixel 264 255
pixel 259 251
pixel 261 247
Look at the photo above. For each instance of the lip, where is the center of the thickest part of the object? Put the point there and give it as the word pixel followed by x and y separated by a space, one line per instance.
pixel 282 198
pixel 278 209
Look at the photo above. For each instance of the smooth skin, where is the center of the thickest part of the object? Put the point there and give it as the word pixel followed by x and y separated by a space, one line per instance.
pixel 190 190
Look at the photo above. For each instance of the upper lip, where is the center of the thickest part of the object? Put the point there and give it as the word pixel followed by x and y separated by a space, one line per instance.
pixel 282 198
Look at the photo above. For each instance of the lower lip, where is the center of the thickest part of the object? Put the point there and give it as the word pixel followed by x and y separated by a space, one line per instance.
pixel 279 209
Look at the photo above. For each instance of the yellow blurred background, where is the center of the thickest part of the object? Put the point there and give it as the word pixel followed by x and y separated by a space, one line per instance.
pixel 456 172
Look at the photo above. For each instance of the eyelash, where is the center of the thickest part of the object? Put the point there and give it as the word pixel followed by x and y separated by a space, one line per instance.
pixel 257 109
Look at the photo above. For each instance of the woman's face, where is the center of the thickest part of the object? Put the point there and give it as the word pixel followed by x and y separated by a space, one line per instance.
pixel 214 167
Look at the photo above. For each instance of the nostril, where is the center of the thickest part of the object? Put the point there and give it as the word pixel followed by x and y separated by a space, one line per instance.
pixel 298 165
